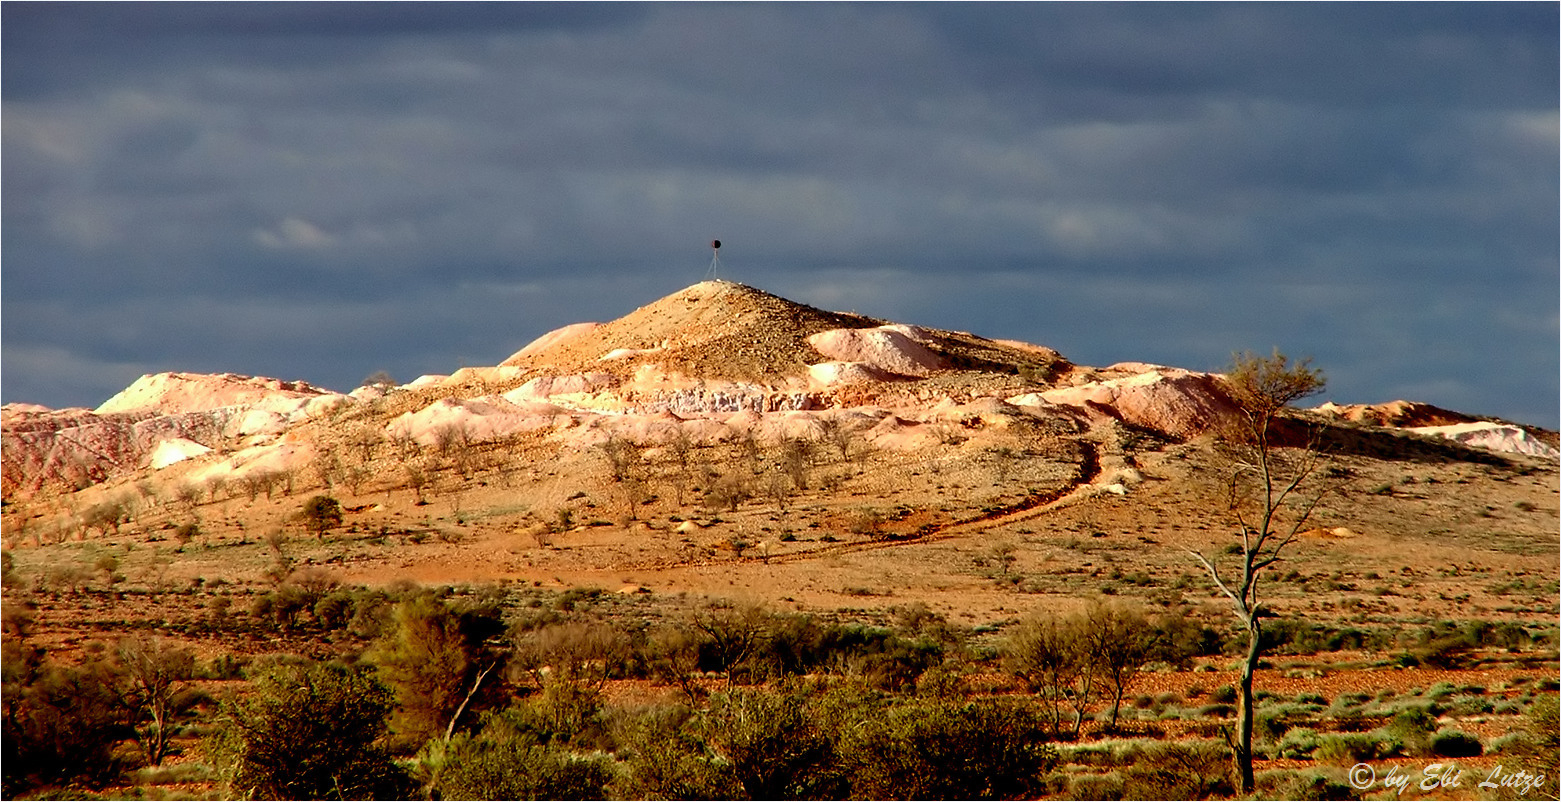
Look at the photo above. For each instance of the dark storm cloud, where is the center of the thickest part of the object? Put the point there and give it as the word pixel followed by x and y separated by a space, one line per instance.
pixel 321 190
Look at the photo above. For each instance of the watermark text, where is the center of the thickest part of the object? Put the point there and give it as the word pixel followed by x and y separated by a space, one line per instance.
pixel 1433 776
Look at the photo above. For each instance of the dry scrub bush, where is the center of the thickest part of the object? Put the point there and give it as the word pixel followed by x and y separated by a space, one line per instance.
pixel 774 746
pixel 569 663
pixel 1177 770
pixel 511 759
pixel 727 492
pixel 62 724
pixel 988 749
pixel 1071 662
pixel 308 732
pixel 666 757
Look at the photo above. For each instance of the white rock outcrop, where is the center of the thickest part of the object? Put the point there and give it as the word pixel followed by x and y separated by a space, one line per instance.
pixel 78 447
pixel 1493 436
pixel 840 374
pixel 547 388
pixel 1178 403
pixel 892 349
pixel 478 419
pixel 170 393
pixel 175 450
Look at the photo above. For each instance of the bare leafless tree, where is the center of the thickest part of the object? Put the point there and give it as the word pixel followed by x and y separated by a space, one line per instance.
pixel 839 435
pixel 363 439
pixel 778 488
pixel 624 458
pixel 353 477
pixel 406 446
pixel 155 674
pixel 1269 502
pixel 751 452
pixel 189 494
pixel 326 467
pixel 797 460
pixel 417 479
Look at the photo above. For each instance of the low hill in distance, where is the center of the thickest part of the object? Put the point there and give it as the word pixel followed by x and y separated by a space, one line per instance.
pixel 721 427
pixel 723 450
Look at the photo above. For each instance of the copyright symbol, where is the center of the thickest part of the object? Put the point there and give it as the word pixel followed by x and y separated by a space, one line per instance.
pixel 1362 776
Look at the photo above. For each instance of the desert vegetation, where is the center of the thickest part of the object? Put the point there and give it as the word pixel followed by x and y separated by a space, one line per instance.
pixel 939 587
pixel 519 692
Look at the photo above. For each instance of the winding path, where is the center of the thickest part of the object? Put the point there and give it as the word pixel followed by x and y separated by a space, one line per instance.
pixel 1032 506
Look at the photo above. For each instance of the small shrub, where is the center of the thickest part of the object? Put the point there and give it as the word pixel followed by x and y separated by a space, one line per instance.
pixel 1413 727
pixel 334 610
pixel 1298 744
pixel 1308 786
pixel 1469 705
pixel 1348 705
pixel 321 514
pixel 1456 743
pixel 776 747
pixel 932 750
pixel 1178 770
pixel 1271 725
pixel 667 759
pixel 186 532
pixel 506 761
pixel 1512 742
pixel 1096 786
pixel 865 522
pixel 1355 747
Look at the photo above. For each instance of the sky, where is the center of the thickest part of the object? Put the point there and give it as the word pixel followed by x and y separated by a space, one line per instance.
pixel 321 191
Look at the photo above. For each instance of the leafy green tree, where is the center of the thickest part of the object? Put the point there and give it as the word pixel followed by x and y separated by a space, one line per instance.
pixel 435 661
pixel 321 514
pixel 309 732
pixel 61 724
pixel 1268 503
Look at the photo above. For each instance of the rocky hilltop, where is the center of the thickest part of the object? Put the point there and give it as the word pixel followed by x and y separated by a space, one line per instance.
pixel 716 362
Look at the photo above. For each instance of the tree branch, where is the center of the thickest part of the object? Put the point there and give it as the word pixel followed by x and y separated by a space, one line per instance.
pixel 449 732
pixel 1215 575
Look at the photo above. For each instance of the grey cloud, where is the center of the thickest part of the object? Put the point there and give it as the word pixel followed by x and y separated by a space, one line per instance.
pixel 347 172
pixel 1165 57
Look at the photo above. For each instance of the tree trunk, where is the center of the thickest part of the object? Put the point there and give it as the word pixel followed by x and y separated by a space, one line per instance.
pixel 1242 745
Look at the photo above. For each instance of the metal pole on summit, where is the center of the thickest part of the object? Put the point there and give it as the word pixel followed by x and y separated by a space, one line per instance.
pixel 715 260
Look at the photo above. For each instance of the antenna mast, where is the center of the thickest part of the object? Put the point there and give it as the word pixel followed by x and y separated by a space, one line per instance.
pixel 715 261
